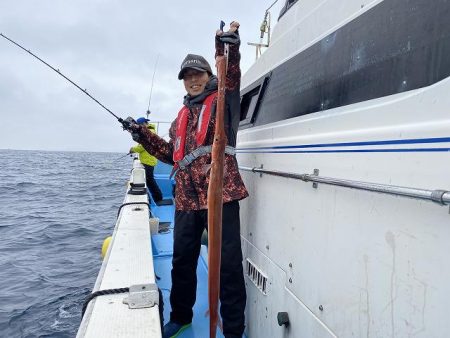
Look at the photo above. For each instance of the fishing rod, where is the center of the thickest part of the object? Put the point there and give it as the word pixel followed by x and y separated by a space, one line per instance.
pixel 123 122
pixel 129 154
pixel 151 88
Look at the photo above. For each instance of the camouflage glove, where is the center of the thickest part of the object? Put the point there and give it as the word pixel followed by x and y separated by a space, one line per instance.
pixel 135 136
pixel 130 125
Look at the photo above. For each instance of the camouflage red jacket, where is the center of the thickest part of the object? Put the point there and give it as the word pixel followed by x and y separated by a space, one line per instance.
pixel 192 182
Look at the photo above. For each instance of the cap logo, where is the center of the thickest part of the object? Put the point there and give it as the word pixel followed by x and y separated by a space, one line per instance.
pixel 191 61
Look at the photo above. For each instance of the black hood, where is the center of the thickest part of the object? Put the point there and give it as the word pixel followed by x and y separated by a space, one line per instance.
pixel 210 88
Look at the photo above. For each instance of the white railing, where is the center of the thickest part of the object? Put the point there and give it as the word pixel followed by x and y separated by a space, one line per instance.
pixel 439 196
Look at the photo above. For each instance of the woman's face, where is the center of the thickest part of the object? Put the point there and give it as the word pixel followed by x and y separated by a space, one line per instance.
pixel 195 81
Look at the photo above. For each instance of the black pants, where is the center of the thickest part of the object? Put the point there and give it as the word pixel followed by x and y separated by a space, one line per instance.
pixel 189 226
pixel 151 183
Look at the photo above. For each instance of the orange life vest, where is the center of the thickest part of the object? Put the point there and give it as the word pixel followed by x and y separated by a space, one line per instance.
pixel 202 127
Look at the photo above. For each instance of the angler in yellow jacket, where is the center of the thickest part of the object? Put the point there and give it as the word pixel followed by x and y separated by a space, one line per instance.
pixel 149 162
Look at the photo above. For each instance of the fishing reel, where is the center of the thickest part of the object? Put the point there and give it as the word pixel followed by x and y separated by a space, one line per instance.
pixel 128 123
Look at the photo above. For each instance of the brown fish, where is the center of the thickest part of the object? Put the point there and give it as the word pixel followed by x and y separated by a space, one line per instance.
pixel 215 200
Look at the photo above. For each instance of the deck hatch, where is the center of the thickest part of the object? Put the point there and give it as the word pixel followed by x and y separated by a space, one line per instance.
pixel 256 276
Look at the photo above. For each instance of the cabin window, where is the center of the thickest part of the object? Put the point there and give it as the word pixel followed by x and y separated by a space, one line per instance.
pixel 248 105
pixel 251 101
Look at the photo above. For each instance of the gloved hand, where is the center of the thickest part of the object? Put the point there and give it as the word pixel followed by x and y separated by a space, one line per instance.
pixel 136 136
pixel 232 36
pixel 129 124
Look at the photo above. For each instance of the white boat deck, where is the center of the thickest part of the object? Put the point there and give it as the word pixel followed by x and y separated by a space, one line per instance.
pixel 128 262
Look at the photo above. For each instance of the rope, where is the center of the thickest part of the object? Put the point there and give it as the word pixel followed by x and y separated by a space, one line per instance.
pixel 101 293
pixel 131 203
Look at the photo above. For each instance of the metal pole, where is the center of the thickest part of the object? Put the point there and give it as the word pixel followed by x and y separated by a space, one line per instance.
pixel 441 197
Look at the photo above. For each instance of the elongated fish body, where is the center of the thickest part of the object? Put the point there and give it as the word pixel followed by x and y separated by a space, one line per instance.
pixel 215 203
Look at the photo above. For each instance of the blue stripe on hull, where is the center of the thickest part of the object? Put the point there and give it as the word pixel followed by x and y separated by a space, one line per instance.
pixel 286 149
pixel 408 150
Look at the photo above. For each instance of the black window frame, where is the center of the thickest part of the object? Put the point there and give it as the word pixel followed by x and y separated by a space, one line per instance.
pixel 250 107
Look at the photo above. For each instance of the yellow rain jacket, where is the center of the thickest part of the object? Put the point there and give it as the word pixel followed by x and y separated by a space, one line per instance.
pixel 144 156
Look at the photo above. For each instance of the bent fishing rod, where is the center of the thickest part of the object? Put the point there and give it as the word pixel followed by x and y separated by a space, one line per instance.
pixel 123 122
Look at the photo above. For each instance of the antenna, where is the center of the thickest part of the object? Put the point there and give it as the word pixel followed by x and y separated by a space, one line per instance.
pixel 151 88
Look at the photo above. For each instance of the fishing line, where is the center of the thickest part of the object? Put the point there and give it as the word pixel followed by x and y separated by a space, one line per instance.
pixel 64 76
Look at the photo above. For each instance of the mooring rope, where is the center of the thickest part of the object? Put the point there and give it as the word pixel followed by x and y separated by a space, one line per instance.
pixel 101 293
pixel 131 203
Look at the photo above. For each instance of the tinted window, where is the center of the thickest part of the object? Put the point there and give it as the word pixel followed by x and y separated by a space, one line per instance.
pixel 251 100
pixel 357 62
pixel 248 105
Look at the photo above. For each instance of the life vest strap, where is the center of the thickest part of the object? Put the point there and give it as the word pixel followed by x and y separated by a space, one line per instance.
pixel 189 158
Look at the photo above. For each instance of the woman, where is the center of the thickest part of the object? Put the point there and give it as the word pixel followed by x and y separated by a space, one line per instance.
pixel 189 150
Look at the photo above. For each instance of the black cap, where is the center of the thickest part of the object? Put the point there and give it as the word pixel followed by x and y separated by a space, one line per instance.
pixel 196 62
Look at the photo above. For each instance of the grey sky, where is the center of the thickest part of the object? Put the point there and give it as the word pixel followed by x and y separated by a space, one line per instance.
pixel 110 48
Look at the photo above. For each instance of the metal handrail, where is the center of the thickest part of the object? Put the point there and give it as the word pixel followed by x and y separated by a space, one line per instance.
pixel 441 197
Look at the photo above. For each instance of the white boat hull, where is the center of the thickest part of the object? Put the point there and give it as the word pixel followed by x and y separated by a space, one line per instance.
pixel 345 262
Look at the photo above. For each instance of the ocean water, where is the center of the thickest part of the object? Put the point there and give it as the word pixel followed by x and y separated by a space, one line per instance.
pixel 56 208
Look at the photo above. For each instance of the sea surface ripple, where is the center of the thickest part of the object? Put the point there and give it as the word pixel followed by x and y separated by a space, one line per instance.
pixel 56 208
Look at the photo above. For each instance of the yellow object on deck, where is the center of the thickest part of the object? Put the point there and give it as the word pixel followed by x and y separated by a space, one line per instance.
pixel 105 246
